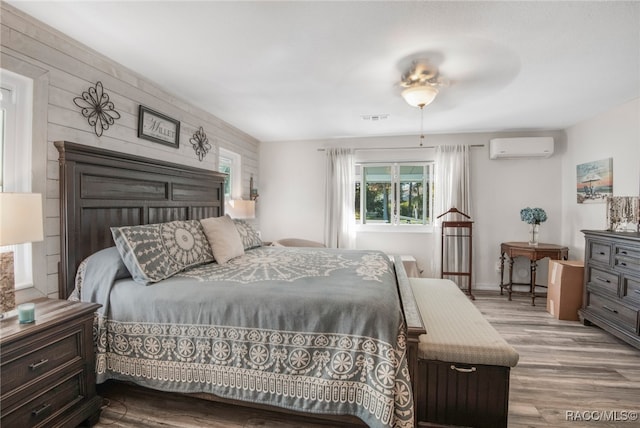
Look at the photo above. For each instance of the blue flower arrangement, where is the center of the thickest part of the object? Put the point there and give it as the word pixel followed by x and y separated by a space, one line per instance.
pixel 533 215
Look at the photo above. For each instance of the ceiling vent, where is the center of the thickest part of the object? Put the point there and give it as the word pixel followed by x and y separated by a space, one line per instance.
pixel 375 117
pixel 517 148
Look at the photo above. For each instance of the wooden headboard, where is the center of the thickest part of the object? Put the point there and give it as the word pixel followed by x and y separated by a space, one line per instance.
pixel 102 188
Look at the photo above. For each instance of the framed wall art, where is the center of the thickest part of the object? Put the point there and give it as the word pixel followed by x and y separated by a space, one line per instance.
pixel 157 127
pixel 594 181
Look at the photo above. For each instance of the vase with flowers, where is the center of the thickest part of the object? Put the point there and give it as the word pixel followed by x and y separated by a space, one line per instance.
pixel 533 217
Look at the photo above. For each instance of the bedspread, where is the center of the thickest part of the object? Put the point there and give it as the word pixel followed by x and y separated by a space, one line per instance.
pixel 313 330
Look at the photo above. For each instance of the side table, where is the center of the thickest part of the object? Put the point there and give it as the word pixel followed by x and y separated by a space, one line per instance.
pixel 533 253
pixel 48 367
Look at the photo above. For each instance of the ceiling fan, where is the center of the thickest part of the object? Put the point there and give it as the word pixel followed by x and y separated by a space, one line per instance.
pixel 421 83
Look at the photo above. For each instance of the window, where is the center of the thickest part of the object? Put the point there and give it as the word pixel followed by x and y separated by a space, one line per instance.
pixel 16 101
pixel 229 163
pixel 226 165
pixel 394 194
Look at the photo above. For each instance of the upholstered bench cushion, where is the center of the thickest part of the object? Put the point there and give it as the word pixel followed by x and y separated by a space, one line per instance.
pixel 456 330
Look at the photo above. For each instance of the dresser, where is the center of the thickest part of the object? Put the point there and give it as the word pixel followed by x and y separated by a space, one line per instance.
pixel 48 367
pixel 612 283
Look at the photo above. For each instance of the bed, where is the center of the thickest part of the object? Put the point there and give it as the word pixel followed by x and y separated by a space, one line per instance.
pixel 319 331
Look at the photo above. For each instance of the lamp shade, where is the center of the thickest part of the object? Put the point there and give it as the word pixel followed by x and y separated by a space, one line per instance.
pixel 239 208
pixel 419 95
pixel 20 218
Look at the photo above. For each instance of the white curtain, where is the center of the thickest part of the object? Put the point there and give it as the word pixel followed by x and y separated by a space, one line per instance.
pixel 452 190
pixel 340 199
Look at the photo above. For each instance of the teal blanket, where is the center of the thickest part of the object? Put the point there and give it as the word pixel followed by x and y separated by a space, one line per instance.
pixel 313 330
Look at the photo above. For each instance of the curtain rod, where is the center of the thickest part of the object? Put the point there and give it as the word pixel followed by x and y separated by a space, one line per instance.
pixel 398 148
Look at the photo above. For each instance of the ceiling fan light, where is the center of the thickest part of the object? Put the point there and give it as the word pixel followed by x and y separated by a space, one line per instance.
pixel 419 96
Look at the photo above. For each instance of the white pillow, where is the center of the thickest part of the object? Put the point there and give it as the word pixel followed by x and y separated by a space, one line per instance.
pixel 223 237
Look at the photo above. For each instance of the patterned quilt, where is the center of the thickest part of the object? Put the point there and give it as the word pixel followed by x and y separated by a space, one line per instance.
pixel 314 330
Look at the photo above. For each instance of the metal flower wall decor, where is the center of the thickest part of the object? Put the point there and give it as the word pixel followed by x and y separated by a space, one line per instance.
pixel 200 143
pixel 96 107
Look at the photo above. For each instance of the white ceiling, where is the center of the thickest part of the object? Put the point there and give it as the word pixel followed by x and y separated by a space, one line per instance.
pixel 308 70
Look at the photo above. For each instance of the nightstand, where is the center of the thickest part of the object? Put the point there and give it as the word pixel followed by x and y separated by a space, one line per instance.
pixel 48 367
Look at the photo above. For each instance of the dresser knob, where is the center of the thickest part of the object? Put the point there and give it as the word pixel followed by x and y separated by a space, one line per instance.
pixel 603 279
pixel 610 310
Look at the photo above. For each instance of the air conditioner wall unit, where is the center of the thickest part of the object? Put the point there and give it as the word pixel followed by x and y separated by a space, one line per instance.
pixel 522 147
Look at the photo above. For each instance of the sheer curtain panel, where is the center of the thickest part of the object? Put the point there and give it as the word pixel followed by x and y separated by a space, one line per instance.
pixel 452 189
pixel 340 198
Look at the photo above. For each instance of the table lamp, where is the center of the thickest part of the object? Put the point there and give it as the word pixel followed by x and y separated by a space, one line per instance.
pixel 241 209
pixel 20 222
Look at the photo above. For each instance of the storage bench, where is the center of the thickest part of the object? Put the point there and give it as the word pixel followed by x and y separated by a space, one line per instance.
pixel 463 363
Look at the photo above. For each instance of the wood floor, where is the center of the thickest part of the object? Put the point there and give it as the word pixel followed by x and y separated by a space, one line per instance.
pixel 564 367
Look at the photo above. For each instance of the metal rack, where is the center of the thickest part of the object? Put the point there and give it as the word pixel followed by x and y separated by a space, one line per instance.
pixel 461 230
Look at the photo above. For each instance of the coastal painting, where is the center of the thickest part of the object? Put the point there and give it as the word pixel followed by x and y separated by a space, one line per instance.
pixel 594 181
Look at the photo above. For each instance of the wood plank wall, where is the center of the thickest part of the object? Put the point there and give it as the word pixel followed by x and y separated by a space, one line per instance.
pixel 62 69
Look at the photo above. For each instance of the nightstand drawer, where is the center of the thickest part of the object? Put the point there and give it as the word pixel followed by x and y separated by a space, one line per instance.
pixel 38 362
pixel 619 314
pixel 51 402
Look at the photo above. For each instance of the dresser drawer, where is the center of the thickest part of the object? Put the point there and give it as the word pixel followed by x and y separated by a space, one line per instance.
pixel 49 403
pixel 627 258
pixel 21 368
pixel 625 251
pixel 599 252
pixel 617 313
pixel 630 286
pixel 605 280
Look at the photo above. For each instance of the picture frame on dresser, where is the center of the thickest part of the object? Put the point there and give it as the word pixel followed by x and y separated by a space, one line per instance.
pixel 158 127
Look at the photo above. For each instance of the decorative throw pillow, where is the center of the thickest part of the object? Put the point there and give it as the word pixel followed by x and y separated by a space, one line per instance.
pixel 250 238
pixel 154 252
pixel 223 237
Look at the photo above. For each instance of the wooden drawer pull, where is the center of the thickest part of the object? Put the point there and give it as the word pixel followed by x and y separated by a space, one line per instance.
pixel 37 365
pixel 462 369
pixel 623 264
pixel 609 309
pixel 40 409
pixel 602 253
pixel 603 279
